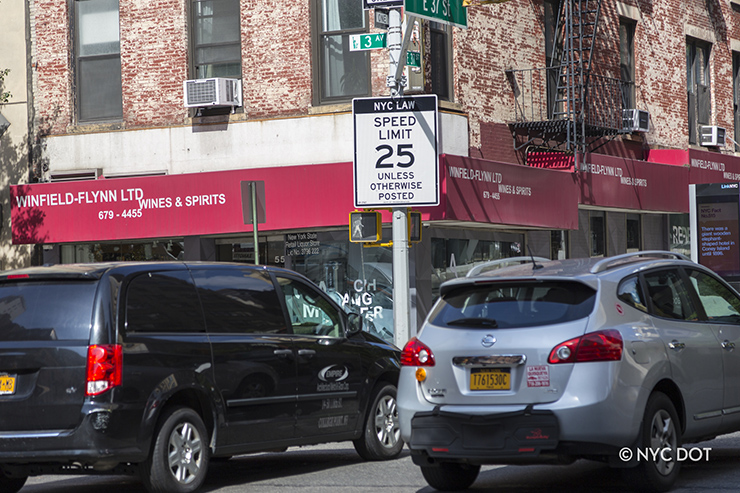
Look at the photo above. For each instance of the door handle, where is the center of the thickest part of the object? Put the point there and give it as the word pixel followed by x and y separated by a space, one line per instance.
pixel 306 352
pixel 729 346
pixel 676 346
pixel 283 353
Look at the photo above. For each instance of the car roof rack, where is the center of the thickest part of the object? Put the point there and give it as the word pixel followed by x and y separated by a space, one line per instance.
pixel 504 262
pixel 610 262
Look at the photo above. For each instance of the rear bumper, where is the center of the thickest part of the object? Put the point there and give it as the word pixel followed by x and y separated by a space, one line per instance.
pixel 518 435
pixel 102 439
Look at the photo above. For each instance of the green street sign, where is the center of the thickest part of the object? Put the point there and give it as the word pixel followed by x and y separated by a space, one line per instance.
pixel 413 59
pixel 372 41
pixel 445 11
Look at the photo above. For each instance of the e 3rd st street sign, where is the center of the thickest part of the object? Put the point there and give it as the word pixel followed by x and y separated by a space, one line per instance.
pixel 396 158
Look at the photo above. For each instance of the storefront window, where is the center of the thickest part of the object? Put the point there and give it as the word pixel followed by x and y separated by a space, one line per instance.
pixel 359 279
pixel 634 233
pixel 680 233
pixel 598 233
pixel 130 251
pixel 454 257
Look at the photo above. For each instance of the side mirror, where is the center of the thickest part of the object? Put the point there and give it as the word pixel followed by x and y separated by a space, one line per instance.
pixel 354 324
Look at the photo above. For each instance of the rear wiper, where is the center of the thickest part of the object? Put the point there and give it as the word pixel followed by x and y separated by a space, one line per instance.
pixel 485 322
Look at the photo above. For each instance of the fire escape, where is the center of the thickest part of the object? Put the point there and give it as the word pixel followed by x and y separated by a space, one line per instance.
pixel 566 107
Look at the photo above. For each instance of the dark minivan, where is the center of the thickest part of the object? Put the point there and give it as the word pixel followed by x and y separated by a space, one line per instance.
pixel 154 368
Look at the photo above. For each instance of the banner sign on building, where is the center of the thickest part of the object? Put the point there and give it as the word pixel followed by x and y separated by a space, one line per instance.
pixel 178 205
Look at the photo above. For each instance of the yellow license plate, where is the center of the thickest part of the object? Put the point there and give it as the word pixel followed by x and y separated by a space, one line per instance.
pixel 7 384
pixel 490 379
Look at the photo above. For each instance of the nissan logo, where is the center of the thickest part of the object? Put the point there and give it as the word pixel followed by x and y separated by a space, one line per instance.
pixel 488 341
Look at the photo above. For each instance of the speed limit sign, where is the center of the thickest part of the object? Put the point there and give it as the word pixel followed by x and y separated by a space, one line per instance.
pixel 396 162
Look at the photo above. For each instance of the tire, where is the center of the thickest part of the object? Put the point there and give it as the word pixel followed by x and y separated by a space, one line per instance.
pixel 11 485
pixel 178 462
pixel 381 436
pixel 660 430
pixel 448 476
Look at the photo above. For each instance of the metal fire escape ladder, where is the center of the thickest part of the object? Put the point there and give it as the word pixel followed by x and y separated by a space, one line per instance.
pixel 578 22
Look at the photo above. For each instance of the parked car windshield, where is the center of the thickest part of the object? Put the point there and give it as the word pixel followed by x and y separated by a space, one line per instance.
pixel 48 311
pixel 515 304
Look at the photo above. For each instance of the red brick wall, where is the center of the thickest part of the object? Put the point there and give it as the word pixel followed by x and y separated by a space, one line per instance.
pixel 277 66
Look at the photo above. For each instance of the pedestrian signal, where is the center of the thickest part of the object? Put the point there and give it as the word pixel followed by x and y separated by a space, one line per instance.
pixel 365 227
pixel 414 223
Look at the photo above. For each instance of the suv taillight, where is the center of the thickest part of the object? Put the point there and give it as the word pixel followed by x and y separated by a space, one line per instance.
pixel 604 345
pixel 416 353
pixel 104 368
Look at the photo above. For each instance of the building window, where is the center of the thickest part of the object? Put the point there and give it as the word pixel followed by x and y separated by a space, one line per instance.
pixel 698 86
pixel 216 40
pixel 634 233
pixel 97 61
pixel 597 232
pixel 439 54
pixel 558 244
pixel 341 74
pixel 627 61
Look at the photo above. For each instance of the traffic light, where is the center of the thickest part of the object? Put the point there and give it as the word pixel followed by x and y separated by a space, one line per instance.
pixel 365 227
pixel 414 223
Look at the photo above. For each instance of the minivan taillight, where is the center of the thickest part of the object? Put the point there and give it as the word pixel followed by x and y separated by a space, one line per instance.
pixel 604 345
pixel 104 368
pixel 416 353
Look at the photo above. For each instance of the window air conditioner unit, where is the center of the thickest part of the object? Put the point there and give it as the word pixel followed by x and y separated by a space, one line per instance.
pixel 216 91
pixel 635 120
pixel 712 136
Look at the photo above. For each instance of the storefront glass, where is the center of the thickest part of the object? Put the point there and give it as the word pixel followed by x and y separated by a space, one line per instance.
pixel 358 278
pixel 454 257
pixel 129 251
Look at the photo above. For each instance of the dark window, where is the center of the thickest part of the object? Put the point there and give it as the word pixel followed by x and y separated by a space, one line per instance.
pixel 439 42
pixel 719 302
pixel 216 39
pixel 512 305
pixel 634 232
pixel 341 74
pixel 627 61
pixel 630 292
pixel 309 312
pixel 598 233
pixel 46 311
pixel 239 301
pixel 98 60
pixel 698 86
pixel 163 302
pixel 669 296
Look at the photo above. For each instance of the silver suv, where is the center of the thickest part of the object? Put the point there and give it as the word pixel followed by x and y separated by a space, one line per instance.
pixel 622 360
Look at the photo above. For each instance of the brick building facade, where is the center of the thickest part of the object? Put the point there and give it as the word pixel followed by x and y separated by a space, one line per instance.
pixel 298 80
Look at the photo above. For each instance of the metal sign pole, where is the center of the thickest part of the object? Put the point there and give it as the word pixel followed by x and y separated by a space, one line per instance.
pixel 401 288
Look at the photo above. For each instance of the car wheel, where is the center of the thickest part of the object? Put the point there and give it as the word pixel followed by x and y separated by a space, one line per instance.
pixel 381 437
pixel 179 459
pixel 11 485
pixel 660 431
pixel 448 476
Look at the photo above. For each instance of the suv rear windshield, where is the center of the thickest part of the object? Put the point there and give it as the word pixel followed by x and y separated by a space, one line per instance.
pixel 514 304
pixel 46 311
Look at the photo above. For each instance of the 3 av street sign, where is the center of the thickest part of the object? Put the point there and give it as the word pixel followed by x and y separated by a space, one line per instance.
pixel 371 41
pixel 396 158
pixel 445 11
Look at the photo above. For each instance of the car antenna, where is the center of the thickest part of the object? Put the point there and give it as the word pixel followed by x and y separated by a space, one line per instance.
pixel 535 265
